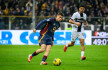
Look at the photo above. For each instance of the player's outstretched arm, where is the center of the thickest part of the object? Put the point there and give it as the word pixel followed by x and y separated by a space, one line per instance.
pixel 40 25
pixel 34 31
pixel 72 22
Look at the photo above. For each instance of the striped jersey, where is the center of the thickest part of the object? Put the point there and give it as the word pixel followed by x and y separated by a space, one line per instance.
pixel 77 17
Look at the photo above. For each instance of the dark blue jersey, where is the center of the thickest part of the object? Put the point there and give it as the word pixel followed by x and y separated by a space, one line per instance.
pixel 48 26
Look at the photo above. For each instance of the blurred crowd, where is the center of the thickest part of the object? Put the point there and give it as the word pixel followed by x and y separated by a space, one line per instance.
pixel 94 8
pixel 51 7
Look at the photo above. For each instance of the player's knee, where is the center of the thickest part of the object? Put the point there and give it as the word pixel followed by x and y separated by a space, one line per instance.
pixel 82 44
pixel 43 49
pixel 48 50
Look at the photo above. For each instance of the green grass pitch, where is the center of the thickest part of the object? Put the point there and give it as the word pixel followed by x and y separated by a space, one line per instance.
pixel 14 57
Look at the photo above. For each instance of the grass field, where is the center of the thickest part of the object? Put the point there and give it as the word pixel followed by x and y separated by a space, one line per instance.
pixel 14 57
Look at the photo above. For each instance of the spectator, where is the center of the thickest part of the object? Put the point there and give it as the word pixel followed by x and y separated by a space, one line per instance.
pixel 29 6
pixel 18 13
pixel 10 4
pixel 22 11
pixel 2 23
pixel 94 8
pixel 6 11
pixel 46 6
pixel 11 11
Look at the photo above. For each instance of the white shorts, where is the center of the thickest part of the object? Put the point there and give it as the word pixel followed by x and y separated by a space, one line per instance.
pixel 76 35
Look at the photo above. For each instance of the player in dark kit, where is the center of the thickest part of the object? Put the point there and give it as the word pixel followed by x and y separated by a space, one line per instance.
pixel 46 38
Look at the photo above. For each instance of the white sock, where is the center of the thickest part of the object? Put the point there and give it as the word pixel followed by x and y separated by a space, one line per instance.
pixel 66 44
pixel 82 53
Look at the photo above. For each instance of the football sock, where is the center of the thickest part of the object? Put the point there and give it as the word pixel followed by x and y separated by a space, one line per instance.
pixel 82 53
pixel 44 58
pixel 66 44
pixel 34 54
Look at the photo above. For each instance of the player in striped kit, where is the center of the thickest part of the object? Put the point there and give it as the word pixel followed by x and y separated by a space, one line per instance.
pixel 77 20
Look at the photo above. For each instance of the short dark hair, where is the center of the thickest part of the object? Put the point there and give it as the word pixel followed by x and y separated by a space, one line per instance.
pixel 82 4
pixel 60 13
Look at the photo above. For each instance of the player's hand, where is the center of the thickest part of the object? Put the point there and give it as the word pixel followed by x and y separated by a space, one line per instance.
pixel 34 31
pixel 86 25
pixel 78 24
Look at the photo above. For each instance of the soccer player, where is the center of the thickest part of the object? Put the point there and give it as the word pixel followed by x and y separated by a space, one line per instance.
pixel 77 20
pixel 46 38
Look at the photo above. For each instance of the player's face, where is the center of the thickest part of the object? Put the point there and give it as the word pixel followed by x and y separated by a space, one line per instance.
pixel 81 9
pixel 59 18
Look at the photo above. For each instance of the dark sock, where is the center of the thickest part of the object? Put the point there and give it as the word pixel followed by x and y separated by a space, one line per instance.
pixel 44 58
pixel 34 54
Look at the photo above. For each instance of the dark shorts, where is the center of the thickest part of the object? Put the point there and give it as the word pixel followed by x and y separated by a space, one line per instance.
pixel 45 39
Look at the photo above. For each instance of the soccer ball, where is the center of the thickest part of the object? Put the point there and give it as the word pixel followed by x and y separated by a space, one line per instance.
pixel 56 61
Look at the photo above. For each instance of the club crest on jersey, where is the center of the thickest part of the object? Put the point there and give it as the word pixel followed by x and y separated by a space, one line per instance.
pixel 54 28
pixel 43 41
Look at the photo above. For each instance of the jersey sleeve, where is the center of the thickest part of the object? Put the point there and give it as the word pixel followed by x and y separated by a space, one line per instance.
pixel 85 17
pixel 73 16
pixel 42 23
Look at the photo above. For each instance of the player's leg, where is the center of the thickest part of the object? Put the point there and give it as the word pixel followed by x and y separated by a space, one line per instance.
pixel 49 43
pixel 73 38
pixel 68 45
pixel 42 43
pixel 43 47
pixel 81 39
pixel 48 48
